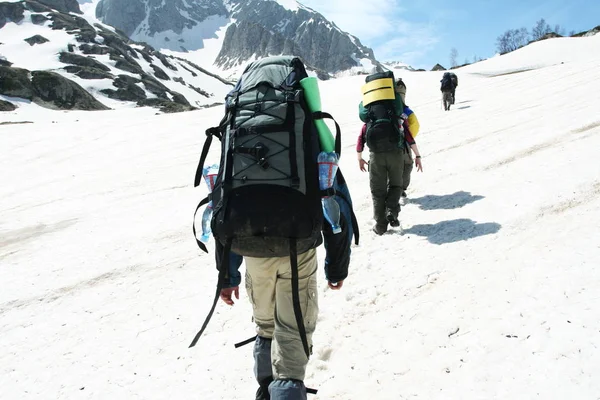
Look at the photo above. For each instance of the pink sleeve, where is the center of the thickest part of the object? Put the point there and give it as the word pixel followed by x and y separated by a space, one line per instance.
pixel 360 143
pixel 407 135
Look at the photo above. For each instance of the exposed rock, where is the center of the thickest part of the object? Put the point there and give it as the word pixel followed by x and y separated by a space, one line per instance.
pixel 127 64
pixel 36 39
pixel 145 55
pixel 65 6
pixel 88 72
pixel 550 35
pixel 39 19
pixel 199 68
pixel 179 79
pixel 591 32
pixel 179 98
pixel 126 81
pixel 155 87
pixel 115 41
pixel 76 59
pixel 11 12
pixel 127 89
pixel 15 122
pixel 438 67
pixel 4 62
pixel 125 15
pixel 169 15
pixel 134 94
pixel 159 73
pixel 7 106
pixel 166 106
pixel 36 7
pixel 190 71
pixel 73 24
pixel 199 91
pixel 68 22
pixel 63 93
pixel 15 82
pixel 94 49
pixel 164 60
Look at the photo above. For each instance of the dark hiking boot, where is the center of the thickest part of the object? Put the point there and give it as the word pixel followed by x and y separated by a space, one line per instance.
pixel 263 391
pixel 393 220
pixel 379 231
pixel 263 394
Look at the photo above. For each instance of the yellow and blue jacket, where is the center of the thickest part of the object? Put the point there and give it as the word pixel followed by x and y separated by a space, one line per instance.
pixel 412 121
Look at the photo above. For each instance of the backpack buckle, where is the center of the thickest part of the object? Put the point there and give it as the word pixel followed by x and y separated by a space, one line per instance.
pixel 328 192
pixel 260 152
pixel 295 182
pixel 264 164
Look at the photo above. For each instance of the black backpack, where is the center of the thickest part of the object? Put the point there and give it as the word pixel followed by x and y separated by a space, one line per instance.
pixel 383 128
pixel 267 190
pixel 447 82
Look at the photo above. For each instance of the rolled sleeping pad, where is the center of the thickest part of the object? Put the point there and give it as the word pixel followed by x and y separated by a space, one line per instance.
pixel 379 75
pixel 379 89
pixel 313 99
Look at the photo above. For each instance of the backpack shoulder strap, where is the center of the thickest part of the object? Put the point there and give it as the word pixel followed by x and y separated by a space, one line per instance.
pixel 210 132
pixel 338 131
pixel 223 272
pixel 296 296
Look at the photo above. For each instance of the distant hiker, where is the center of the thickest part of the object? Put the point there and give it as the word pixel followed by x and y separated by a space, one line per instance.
pixel 449 82
pixel 413 127
pixel 387 134
pixel 268 212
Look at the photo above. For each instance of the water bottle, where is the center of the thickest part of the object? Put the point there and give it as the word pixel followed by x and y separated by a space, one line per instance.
pixel 328 166
pixel 210 175
pixel 206 217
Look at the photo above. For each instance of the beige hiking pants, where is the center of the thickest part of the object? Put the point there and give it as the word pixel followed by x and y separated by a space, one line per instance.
pixel 269 286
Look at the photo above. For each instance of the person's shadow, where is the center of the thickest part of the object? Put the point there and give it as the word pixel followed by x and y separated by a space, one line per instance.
pixel 445 202
pixel 453 231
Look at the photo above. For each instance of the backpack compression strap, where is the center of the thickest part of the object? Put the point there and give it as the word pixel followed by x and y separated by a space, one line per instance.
pixel 223 271
pixel 199 243
pixel 296 296
pixel 338 131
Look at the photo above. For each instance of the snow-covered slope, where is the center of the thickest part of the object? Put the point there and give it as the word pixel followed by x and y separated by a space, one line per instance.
pixel 398 65
pixel 155 74
pixel 489 293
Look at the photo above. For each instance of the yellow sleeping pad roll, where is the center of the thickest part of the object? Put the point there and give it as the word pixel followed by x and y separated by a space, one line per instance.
pixel 379 89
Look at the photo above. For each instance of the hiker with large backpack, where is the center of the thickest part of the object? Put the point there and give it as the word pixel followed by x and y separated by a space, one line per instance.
pixel 387 135
pixel 449 82
pixel 268 210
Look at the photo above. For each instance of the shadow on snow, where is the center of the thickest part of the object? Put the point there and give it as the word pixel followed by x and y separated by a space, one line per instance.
pixel 445 202
pixel 453 231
